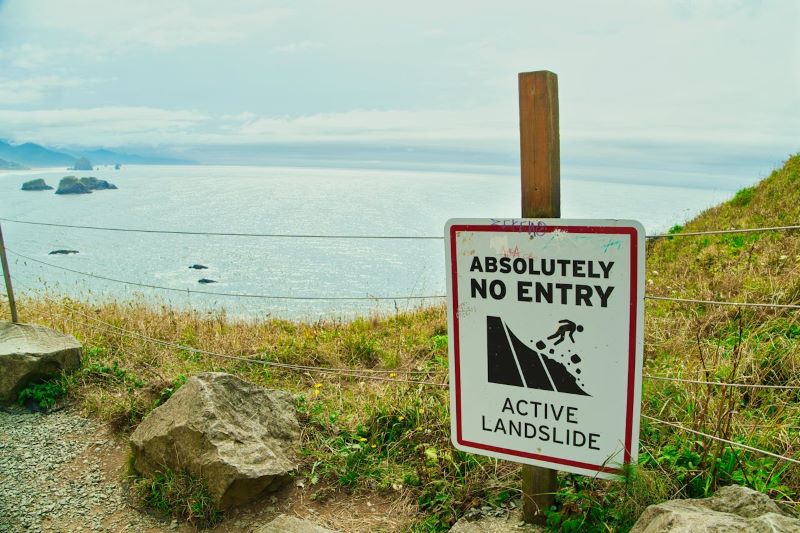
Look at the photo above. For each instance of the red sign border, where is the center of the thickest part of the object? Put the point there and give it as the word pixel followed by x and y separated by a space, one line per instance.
pixel 538 230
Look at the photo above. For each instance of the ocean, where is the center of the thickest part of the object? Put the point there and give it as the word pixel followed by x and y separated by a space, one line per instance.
pixel 283 200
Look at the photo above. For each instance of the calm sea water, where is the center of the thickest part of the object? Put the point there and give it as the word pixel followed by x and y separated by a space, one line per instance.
pixel 284 200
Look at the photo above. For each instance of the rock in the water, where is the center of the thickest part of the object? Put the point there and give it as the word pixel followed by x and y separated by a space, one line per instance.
pixel 198 267
pixel 95 184
pixel 36 185
pixel 72 185
pixel 732 508
pixel 290 524
pixel 64 252
pixel 239 438
pixel 206 281
pixel 82 164
pixel 30 353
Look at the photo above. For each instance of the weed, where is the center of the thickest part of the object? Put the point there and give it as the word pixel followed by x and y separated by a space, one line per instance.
pixel 179 495
pixel 45 395
pixel 743 197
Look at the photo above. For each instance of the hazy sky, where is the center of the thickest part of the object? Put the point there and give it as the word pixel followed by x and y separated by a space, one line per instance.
pixel 680 81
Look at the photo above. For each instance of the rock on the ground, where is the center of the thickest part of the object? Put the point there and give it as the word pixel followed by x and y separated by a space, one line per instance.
pixel 206 281
pixel 36 185
pixel 198 267
pixel 30 353
pixel 512 523
pixel 732 508
pixel 64 252
pixel 290 524
pixel 239 438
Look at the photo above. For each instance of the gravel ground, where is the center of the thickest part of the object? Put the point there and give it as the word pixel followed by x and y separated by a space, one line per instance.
pixel 53 477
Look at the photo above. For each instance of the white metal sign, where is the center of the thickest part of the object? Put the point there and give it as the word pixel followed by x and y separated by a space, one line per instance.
pixel 545 321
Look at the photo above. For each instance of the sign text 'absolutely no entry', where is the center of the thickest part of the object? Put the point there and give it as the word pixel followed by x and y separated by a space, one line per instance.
pixel 545 321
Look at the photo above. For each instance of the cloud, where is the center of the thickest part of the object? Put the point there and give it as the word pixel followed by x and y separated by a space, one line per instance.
pixel 26 56
pixel 153 24
pixel 101 126
pixel 293 48
pixel 30 90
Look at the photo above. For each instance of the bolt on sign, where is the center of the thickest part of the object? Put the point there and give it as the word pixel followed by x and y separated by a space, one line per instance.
pixel 545 321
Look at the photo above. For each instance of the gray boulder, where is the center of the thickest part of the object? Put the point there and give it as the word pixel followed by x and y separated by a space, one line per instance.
pixel 237 437
pixel 290 524
pixel 511 523
pixel 36 185
pixel 732 508
pixel 30 353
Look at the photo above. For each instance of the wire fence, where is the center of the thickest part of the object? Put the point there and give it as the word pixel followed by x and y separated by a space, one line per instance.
pixel 353 236
pixel 351 298
pixel 380 375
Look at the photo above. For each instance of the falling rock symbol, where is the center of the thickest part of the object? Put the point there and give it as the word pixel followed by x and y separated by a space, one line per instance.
pixel 512 362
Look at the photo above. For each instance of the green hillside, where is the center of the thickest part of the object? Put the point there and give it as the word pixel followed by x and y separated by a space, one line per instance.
pixel 388 440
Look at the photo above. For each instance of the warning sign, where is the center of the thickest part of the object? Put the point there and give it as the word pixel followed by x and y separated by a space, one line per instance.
pixel 545 322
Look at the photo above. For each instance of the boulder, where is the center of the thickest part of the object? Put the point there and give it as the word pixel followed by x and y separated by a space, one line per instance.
pixel 30 353
pixel 198 267
pixel 206 281
pixel 511 523
pixel 290 524
pixel 237 437
pixel 732 508
pixel 36 185
pixel 72 185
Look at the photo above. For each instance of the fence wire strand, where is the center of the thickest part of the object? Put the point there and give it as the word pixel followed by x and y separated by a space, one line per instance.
pixel 370 374
pixel 225 294
pixel 714 302
pixel 723 231
pixel 227 234
pixel 345 236
pixel 721 383
pixel 720 439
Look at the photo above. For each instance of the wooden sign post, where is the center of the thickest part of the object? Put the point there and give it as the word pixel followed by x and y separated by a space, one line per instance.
pixel 541 198
pixel 7 277
pixel 549 380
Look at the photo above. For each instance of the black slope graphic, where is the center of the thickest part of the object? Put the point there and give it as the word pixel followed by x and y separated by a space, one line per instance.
pixel 512 362
pixel 502 367
pixel 530 364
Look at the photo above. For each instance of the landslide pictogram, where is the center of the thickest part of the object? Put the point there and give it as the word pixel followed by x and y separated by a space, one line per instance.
pixel 512 362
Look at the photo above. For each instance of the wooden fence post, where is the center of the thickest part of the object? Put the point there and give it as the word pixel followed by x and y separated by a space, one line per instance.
pixel 541 198
pixel 7 277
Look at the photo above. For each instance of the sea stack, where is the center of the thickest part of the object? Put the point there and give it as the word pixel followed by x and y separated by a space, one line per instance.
pixel 36 185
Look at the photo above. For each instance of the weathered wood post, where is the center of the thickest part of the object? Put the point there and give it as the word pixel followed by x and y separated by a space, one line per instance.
pixel 7 277
pixel 541 198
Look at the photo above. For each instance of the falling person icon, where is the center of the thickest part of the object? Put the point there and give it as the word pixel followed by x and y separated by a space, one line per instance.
pixel 566 327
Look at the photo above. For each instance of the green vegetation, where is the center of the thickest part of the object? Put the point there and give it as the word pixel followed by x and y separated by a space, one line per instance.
pixel 392 438
pixel 45 395
pixel 179 495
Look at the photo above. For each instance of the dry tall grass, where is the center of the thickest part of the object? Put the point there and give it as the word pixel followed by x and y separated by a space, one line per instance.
pixel 363 434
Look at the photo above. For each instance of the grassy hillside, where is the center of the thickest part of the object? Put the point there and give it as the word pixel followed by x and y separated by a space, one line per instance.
pixel 367 436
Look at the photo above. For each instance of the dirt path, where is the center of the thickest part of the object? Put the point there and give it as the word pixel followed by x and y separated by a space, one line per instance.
pixel 63 472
